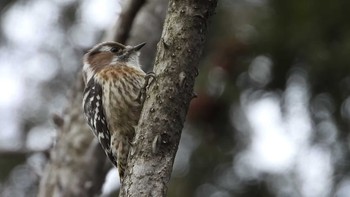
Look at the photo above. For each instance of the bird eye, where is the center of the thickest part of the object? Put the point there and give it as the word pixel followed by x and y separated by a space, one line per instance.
pixel 114 50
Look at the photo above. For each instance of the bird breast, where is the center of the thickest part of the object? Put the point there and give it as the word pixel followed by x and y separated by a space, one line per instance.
pixel 121 86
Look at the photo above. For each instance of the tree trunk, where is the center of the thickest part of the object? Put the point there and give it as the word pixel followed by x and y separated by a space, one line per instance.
pixel 164 112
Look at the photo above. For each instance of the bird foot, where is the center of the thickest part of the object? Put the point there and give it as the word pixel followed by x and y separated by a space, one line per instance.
pixel 149 78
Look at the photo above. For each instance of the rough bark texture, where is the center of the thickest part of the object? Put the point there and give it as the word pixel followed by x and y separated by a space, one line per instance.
pixel 77 165
pixel 164 112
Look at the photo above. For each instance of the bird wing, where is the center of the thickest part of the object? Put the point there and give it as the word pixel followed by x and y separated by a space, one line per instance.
pixel 95 116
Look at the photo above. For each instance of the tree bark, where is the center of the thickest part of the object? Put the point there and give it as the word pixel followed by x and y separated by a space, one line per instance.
pixel 163 115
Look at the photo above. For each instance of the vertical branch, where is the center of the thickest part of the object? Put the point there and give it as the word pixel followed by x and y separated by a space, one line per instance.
pixel 159 129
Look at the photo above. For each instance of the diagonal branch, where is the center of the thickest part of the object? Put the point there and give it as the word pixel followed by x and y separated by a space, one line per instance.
pixel 126 18
pixel 159 129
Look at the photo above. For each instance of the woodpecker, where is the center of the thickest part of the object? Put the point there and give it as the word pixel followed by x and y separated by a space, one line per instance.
pixel 113 81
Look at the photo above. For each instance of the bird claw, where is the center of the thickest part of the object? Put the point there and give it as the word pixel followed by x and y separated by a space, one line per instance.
pixel 142 94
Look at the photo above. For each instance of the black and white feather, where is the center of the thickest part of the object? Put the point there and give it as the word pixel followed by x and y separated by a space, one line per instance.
pixel 95 116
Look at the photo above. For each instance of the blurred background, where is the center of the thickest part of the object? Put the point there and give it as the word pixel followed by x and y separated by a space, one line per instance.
pixel 273 107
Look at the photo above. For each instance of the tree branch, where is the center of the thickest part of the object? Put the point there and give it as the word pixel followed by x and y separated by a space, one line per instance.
pixel 159 129
pixel 126 18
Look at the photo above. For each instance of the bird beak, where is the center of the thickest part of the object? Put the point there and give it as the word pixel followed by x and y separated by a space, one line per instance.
pixel 139 46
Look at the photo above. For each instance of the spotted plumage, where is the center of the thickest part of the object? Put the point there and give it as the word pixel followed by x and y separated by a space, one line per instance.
pixel 113 80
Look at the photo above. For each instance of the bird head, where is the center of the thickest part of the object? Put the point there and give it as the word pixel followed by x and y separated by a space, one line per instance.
pixel 110 54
